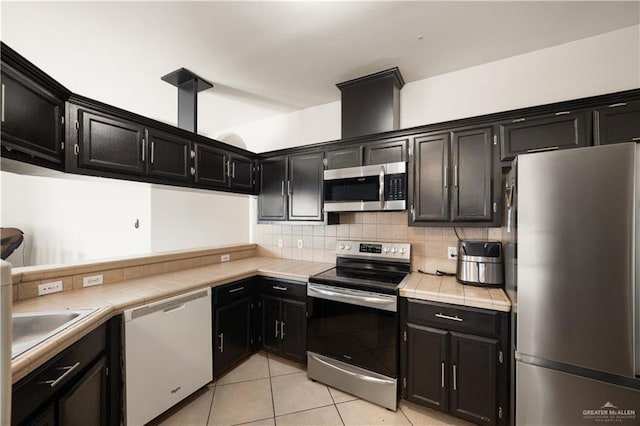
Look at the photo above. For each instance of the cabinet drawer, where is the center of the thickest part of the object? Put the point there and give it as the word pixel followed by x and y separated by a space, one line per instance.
pixel 284 288
pixel 40 386
pixel 444 316
pixel 228 293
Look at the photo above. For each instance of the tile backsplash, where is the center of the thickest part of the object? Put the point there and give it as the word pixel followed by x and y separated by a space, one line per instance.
pixel 428 245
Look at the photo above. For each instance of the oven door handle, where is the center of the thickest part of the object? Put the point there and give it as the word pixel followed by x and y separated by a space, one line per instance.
pixel 351 373
pixel 385 303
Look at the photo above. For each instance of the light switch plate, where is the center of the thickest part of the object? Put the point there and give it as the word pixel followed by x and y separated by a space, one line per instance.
pixel 48 288
pixel 92 280
pixel 225 258
pixel 452 253
pixel 299 244
pixel 280 244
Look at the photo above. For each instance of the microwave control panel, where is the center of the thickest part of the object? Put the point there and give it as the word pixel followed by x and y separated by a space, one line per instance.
pixel 395 187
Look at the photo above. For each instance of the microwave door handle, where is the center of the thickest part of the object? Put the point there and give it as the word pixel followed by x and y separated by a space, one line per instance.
pixel 381 190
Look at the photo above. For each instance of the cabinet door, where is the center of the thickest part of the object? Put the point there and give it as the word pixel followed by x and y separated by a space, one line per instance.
pixel 564 129
pixel 272 199
pixel 386 151
pixel 232 339
pixel 211 166
pixel 471 152
pixel 241 171
pixel 305 186
pixel 271 323
pixel 293 330
pixel 110 143
pixel 86 403
pixel 350 156
pixel 31 117
pixel 617 123
pixel 169 156
pixel 427 368
pixel 473 378
pixel 431 182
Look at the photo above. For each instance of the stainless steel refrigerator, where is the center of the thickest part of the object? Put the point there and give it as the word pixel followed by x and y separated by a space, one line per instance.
pixel 572 247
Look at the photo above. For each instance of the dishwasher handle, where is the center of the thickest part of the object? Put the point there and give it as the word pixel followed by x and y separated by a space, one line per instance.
pixel 166 306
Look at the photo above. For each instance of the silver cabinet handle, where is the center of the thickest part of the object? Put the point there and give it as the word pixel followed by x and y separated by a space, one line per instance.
pixel 193 171
pixel 67 371
pixel 518 120
pixel 143 150
pixel 193 154
pixel 236 289
pixel 281 329
pixel 289 188
pixel 226 168
pixel 76 149
pixel 282 188
pixel 221 347
pixel 635 139
pixel 2 102
pixel 277 328
pixel 277 287
pixel 233 170
pixel 455 176
pixel 447 317
pixel 619 104
pixel 455 380
pixel 381 189
pixel 563 112
pixel 153 148
pixel 446 176
pixel 442 375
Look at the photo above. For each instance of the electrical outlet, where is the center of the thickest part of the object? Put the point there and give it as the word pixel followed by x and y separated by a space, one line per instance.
pixel 48 288
pixel 92 280
pixel 299 244
pixel 452 253
pixel 225 258
pixel 280 244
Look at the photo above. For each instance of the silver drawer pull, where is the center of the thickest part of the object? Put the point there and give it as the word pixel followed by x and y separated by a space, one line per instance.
pixel 549 148
pixel 277 287
pixel 236 289
pixel 619 104
pixel 447 317
pixel 68 370
pixel 563 112
pixel 635 139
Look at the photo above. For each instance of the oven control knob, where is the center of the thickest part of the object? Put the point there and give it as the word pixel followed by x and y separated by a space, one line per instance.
pixel 402 250
pixel 347 247
pixel 341 246
pixel 385 249
pixel 394 249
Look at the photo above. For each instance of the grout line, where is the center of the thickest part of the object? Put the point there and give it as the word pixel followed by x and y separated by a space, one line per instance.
pixel 306 409
pixel 211 405
pixel 273 403
pixel 242 381
pixel 252 421
pixel 403 413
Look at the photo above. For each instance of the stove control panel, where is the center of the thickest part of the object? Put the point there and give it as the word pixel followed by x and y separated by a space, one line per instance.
pixel 379 250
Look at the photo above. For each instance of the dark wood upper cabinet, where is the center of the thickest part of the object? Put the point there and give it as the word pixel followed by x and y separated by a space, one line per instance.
pixel 386 151
pixel 561 130
pixel 211 166
pixel 617 123
pixel 25 103
pixel 304 186
pixel 350 156
pixel 241 173
pixel 472 175
pixel 169 156
pixel 431 183
pixel 110 143
pixel 456 178
pixel 272 202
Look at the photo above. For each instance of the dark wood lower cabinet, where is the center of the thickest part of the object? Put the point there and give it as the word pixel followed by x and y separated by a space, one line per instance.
pixel 447 368
pixel 232 338
pixel 294 330
pixel 86 403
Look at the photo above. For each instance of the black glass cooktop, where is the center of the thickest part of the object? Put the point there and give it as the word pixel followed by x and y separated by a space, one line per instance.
pixel 373 280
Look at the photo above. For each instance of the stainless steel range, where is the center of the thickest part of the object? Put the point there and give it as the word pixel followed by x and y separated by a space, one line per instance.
pixel 352 327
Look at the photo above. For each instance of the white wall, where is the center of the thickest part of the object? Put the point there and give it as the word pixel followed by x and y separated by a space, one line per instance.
pixel 596 65
pixel 183 218
pixel 68 220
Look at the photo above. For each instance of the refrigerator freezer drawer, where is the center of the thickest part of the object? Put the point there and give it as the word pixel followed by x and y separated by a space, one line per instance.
pixel 550 397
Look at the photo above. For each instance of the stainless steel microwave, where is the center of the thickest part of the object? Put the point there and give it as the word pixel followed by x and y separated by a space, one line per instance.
pixel 367 188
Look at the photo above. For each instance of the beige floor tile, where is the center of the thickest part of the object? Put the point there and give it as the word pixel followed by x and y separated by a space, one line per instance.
pixel 361 412
pixel 241 403
pixel 422 416
pixel 265 422
pixel 316 417
pixel 339 396
pixel 253 368
pixel 193 411
pixel 295 392
pixel 279 366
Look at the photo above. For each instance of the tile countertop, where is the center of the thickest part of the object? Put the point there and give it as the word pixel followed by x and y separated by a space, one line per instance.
pixel 112 299
pixel 448 290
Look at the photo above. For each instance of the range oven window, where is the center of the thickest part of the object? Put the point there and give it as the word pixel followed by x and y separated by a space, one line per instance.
pixel 364 188
pixel 357 335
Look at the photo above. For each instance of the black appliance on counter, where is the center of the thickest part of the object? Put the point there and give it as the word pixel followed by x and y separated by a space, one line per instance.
pixel 352 326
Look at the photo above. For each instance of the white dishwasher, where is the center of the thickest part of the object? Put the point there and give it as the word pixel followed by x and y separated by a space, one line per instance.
pixel 168 353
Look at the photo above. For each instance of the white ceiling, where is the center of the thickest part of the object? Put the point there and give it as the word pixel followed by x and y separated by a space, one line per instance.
pixel 289 55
